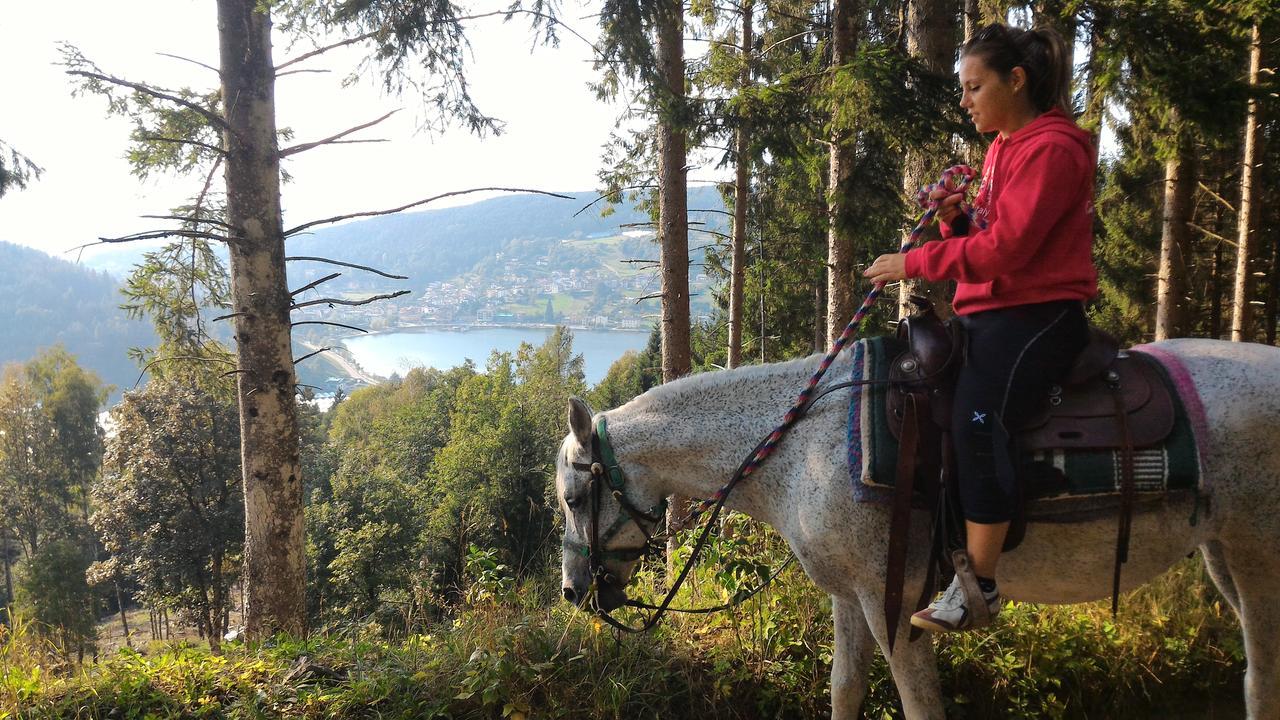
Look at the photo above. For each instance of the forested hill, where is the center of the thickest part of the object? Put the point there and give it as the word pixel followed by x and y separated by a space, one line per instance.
pixel 48 301
pixel 440 244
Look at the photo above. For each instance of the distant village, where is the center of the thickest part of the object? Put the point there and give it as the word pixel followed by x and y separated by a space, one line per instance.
pixel 519 295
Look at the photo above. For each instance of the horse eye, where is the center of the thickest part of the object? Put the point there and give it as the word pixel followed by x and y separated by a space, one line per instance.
pixel 573 502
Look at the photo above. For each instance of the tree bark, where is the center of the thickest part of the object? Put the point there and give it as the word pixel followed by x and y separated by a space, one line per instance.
pixel 124 619
pixel 741 192
pixel 673 210
pixel 1247 211
pixel 931 26
pixel 972 18
pixel 845 20
pixel 1175 241
pixel 274 560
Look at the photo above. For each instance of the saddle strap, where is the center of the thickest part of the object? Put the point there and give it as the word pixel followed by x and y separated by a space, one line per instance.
pixel 1127 492
pixel 979 613
pixel 900 519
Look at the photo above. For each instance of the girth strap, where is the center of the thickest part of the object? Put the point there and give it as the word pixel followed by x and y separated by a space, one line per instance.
pixel 900 519
pixel 1127 489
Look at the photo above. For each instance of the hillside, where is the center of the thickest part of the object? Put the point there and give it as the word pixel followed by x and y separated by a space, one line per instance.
pixel 49 301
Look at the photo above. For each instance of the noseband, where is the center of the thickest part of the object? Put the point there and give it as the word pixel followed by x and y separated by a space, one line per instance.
pixel 604 470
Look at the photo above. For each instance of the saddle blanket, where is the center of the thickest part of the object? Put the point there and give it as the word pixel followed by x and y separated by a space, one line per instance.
pixel 1174 464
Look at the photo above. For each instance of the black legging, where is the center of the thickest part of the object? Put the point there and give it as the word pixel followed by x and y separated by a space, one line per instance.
pixel 1013 356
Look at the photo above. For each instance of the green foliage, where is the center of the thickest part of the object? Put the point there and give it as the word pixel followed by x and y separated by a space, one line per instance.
pixel 53 593
pixel 16 169
pixel 169 507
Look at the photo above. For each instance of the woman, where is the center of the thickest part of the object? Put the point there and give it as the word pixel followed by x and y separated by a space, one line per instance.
pixel 1022 280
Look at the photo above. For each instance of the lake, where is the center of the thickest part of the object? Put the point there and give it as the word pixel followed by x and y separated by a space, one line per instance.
pixel 397 352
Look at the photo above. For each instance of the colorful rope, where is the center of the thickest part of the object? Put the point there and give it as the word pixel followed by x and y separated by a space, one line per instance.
pixel 956 178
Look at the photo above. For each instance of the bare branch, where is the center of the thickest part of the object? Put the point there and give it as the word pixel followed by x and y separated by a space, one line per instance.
pixel 650 296
pixel 325 49
pixel 709 210
pixel 193 62
pixel 307 287
pixel 339 301
pixel 402 208
pixel 194 358
pixel 228 317
pixel 326 322
pixel 347 264
pixel 1213 235
pixel 203 111
pixel 187 218
pixel 307 146
pixel 610 193
pixel 295 72
pixel 353 142
pixel 311 354
pixel 1216 196
pixel 184 141
pixel 156 234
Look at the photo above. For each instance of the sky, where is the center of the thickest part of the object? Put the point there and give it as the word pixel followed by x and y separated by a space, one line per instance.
pixel 555 128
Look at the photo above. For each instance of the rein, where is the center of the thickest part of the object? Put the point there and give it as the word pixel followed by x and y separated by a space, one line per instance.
pixel 604 466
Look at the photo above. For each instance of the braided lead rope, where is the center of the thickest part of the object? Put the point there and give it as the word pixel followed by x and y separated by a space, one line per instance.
pixel 956 178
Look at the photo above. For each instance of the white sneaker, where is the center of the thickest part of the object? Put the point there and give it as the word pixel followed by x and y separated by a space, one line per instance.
pixel 951 611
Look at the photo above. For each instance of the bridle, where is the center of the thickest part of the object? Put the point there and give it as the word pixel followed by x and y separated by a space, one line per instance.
pixel 604 471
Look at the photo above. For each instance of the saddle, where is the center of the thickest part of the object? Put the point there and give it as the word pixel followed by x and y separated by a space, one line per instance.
pixel 1108 399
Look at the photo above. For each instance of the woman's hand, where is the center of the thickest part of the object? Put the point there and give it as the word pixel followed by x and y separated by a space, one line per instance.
pixel 888 268
pixel 948 203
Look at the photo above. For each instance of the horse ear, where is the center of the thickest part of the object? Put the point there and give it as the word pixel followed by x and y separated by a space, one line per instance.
pixel 580 420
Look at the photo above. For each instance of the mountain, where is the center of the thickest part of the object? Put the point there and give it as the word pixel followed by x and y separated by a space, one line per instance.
pixel 433 245
pixel 48 301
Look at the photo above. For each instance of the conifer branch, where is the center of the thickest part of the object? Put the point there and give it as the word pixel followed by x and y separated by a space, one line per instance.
pixel 347 264
pixel 325 49
pixel 184 141
pixel 204 112
pixel 402 208
pixel 308 286
pixel 194 358
pixel 339 301
pixel 332 138
pixel 189 218
pixel 617 191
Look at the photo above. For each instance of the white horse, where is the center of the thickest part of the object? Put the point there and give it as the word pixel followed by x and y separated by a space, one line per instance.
pixel 687 437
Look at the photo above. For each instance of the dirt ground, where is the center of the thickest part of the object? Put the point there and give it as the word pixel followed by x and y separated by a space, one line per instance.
pixel 111 632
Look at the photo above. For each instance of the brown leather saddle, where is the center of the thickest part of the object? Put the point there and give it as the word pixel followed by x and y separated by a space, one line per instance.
pixel 1109 399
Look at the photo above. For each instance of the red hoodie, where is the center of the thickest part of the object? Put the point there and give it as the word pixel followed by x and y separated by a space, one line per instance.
pixel 1037 200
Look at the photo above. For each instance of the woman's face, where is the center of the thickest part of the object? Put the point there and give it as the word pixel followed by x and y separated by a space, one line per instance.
pixel 995 103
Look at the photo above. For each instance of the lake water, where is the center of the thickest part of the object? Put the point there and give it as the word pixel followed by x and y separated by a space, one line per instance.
pixel 397 352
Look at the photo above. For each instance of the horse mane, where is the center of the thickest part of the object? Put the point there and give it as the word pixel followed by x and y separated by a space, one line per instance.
pixel 660 397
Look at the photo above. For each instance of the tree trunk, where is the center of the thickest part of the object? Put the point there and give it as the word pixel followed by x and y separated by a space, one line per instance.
pixel 741 188
pixel 930 39
pixel 1273 292
pixel 673 211
pixel 972 18
pixel 1095 93
pixel 274 559
pixel 124 619
pixel 845 21
pixel 673 216
pixel 1175 241
pixel 8 574
pixel 1241 315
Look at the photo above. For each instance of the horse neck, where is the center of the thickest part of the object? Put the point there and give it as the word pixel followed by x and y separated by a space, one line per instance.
pixel 689 436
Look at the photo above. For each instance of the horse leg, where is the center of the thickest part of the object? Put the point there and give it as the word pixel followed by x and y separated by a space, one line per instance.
pixel 1256 577
pixel 913 664
pixel 1216 563
pixel 853 649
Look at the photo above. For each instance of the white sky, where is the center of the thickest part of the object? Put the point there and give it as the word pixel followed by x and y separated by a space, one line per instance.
pixel 555 127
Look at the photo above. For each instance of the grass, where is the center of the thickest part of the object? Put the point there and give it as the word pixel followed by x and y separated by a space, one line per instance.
pixel 520 654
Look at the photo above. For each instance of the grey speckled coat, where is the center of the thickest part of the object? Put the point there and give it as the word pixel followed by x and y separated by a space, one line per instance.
pixel 687 437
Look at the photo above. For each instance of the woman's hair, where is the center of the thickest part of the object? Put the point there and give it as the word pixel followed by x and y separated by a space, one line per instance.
pixel 1041 53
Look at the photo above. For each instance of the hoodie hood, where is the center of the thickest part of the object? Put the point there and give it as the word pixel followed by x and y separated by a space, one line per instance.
pixel 1054 122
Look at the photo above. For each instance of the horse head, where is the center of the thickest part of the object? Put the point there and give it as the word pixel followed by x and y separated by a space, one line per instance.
pixel 605 531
